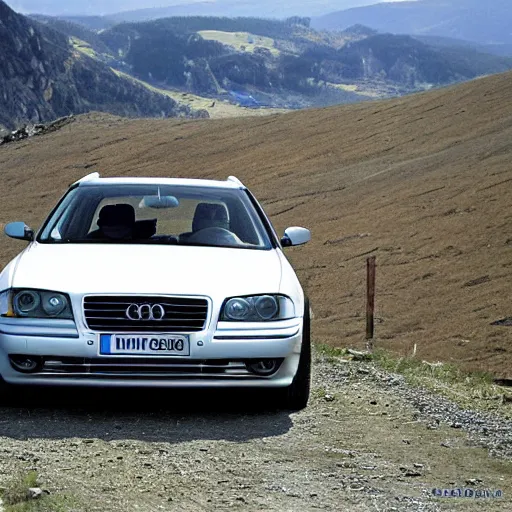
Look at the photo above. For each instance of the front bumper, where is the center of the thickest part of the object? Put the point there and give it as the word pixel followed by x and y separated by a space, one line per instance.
pixel 217 359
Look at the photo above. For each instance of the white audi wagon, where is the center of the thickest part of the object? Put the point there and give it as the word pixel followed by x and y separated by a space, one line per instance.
pixel 156 282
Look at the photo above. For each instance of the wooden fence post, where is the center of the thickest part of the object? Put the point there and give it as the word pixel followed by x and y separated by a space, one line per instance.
pixel 370 301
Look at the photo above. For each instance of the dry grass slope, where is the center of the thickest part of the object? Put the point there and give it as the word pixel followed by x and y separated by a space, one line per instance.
pixel 423 182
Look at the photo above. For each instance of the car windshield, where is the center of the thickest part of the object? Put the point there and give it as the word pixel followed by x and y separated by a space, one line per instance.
pixel 156 214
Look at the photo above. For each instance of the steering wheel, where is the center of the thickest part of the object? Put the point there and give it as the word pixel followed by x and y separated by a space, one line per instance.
pixel 215 235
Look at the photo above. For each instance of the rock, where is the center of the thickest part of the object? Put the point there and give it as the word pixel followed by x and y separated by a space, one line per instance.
pixel 35 493
pixel 200 114
pixel 359 356
pixel 37 129
pixel 505 322
pixel 410 472
pixel 478 281
pixel 329 398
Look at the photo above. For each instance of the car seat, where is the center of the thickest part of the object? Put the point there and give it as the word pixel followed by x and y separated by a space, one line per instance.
pixel 208 215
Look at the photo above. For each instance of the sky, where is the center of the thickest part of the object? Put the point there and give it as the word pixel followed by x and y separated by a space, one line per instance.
pixel 102 7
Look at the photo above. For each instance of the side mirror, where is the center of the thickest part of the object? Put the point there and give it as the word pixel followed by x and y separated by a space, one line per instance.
pixel 19 231
pixel 295 236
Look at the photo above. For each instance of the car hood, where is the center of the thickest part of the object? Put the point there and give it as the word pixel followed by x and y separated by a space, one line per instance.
pixel 148 269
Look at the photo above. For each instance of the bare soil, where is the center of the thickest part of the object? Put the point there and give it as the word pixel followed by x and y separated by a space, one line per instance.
pixel 423 182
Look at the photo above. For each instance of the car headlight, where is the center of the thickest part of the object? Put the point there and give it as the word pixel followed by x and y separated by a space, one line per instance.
pixel 257 308
pixel 35 304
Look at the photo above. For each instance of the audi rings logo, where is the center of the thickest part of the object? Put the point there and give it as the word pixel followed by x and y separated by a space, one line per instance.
pixel 145 312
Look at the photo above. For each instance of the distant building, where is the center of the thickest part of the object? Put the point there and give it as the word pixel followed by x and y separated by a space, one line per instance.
pixel 244 99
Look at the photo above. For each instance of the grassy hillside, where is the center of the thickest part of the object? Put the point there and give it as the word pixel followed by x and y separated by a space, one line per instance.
pixel 422 182
pixel 217 109
pixel 240 41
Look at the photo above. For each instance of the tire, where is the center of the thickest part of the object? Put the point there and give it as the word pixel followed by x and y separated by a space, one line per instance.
pixel 4 392
pixel 296 396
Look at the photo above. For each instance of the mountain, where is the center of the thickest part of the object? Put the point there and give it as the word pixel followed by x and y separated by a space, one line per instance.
pixel 206 55
pixel 237 8
pixel 42 77
pixel 268 63
pixel 225 58
pixel 486 22
pixel 135 10
pixel 502 50
pixel 421 182
pixel 409 62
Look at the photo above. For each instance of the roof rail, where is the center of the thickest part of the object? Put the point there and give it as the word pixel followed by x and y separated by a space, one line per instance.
pixel 89 177
pixel 234 179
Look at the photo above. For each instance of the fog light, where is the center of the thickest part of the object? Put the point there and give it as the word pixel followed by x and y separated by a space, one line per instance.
pixel 26 364
pixel 263 368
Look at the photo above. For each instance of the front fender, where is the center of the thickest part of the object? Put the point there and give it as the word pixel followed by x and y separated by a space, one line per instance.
pixel 7 274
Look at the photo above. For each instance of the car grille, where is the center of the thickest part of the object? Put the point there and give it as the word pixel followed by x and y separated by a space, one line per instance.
pixel 109 314
pixel 140 368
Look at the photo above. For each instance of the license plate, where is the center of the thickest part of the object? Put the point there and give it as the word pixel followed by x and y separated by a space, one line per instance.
pixel 144 345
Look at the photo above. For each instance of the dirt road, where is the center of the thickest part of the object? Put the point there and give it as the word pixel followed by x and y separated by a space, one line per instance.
pixel 366 442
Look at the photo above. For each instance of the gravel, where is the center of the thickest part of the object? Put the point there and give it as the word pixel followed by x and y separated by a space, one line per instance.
pixel 366 442
pixel 486 429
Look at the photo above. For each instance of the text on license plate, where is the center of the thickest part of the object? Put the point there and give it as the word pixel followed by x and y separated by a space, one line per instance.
pixel 147 344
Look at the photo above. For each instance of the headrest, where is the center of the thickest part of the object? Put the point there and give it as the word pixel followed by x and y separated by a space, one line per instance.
pixel 117 215
pixel 210 215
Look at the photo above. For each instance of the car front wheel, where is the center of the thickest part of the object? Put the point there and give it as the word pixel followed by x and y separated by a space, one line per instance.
pixel 296 396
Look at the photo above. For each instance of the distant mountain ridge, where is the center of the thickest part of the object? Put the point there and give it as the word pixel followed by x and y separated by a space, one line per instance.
pixel 42 77
pixel 131 10
pixel 487 22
